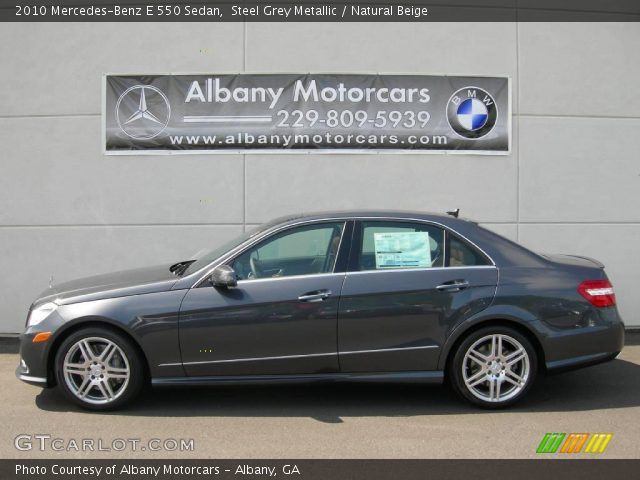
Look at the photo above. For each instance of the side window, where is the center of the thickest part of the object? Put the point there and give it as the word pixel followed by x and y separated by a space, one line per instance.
pixel 462 254
pixel 305 250
pixel 389 245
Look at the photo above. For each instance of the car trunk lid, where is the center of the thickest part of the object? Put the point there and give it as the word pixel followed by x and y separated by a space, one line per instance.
pixel 576 260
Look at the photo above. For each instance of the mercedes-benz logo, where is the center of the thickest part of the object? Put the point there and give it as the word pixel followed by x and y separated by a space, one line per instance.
pixel 143 112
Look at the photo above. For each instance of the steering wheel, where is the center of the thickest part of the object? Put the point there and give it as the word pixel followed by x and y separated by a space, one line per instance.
pixel 255 269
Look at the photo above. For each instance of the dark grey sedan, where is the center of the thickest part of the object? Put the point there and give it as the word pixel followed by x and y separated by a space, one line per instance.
pixel 357 296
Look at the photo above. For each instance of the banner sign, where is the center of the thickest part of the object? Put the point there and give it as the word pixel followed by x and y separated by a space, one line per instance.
pixel 324 11
pixel 210 113
pixel 318 469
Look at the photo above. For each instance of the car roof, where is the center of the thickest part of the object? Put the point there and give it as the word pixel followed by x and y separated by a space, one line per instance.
pixel 400 214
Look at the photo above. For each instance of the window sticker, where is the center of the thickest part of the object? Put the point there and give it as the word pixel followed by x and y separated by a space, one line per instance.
pixel 402 249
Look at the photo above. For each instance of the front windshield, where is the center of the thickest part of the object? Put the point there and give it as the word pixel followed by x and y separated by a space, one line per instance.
pixel 203 258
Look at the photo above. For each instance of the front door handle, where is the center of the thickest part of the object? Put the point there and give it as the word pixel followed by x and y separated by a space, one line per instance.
pixel 316 296
pixel 453 286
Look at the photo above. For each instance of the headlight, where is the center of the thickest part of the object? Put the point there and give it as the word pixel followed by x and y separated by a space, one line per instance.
pixel 40 313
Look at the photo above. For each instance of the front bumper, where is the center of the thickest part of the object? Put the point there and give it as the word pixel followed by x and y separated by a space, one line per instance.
pixel 31 380
pixel 33 361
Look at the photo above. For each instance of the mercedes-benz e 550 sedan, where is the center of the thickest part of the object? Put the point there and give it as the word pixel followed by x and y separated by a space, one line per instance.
pixel 358 296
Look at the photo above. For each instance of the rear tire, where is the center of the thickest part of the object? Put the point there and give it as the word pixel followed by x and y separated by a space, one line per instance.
pixel 99 369
pixel 493 367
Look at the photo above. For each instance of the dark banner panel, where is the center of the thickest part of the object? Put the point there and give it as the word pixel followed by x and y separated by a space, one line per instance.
pixel 534 469
pixel 306 112
pixel 319 11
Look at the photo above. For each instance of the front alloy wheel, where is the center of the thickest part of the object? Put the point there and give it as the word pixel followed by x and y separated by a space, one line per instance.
pixel 98 369
pixel 494 367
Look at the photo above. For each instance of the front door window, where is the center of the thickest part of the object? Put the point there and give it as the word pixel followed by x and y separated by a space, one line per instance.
pixel 305 250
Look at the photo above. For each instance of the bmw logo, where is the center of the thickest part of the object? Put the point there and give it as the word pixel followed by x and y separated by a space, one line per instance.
pixel 143 112
pixel 472 112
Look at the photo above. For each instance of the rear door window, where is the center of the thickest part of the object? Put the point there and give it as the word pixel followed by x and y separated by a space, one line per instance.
pixel 387 245
pixel 461 254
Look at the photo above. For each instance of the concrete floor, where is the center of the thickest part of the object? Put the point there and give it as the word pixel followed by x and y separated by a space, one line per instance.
pixel 336 421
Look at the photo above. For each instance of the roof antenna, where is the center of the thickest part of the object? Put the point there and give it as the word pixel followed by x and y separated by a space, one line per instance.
pixel 454 213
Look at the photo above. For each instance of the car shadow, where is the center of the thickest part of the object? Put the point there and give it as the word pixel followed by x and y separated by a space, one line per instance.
pixel 611 385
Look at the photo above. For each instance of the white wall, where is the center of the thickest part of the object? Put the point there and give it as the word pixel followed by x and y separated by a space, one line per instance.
pixel 571 184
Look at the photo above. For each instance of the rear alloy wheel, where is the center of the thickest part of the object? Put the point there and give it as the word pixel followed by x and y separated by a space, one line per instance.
pixel 99 369
pixel 494 367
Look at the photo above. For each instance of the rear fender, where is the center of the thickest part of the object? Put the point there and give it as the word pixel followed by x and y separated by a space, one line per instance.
pixel 502 314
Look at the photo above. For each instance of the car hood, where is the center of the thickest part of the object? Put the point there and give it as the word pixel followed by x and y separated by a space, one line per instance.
pixel 110 285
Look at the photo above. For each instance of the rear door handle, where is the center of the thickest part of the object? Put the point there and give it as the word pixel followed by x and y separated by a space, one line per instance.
pixel 453 286
pixel 316 296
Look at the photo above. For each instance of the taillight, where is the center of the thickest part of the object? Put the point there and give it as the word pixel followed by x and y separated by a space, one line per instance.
pixel 598 293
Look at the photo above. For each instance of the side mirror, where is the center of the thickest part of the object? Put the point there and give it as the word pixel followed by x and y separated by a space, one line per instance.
pixel 224 276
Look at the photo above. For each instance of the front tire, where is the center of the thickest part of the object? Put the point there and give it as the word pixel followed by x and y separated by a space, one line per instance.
pixel 99 369
pixel 493 367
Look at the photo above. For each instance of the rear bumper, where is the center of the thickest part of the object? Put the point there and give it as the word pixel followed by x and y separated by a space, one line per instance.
pixel 575 363
pixel 578 348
